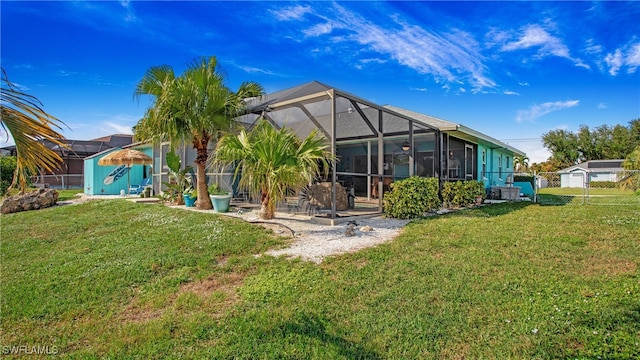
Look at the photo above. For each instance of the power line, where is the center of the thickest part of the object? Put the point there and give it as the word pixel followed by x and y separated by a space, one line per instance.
pixel 524 139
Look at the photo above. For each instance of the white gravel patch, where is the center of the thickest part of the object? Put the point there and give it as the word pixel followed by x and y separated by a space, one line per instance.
pixel 314 242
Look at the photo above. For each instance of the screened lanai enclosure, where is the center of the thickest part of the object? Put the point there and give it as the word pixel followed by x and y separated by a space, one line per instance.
pixel 374 145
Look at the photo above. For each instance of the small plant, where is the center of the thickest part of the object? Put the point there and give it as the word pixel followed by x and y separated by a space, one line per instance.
pixel 215 189
pixel 412 197
pixel 191 192
pixel 179 180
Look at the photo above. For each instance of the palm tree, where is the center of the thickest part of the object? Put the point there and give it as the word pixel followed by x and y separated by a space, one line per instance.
pixel 195 108
pixel 521 163
pixel 273 162
pixel 23 117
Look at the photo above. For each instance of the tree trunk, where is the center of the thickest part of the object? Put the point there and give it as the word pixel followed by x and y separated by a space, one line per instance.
pixel 203 202
pixel 266 211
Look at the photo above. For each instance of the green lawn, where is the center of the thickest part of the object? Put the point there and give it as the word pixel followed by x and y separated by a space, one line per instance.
pixel 122 280
pixel 581 191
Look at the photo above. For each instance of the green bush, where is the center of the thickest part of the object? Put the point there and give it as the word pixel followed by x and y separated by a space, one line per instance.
pixel 412 197
pixel 7 168
pixel 602 184
pixel 462 193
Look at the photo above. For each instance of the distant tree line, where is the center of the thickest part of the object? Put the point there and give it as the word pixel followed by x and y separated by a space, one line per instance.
pixel 604 142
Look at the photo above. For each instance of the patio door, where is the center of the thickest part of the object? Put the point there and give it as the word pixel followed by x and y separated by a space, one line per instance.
pixel 469 162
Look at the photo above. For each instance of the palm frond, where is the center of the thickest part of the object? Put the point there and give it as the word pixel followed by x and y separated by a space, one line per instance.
pixel 24 118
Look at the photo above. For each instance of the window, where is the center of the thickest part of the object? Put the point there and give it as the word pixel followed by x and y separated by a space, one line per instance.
pixel 484 164
pixel 508 162
pixel 500 166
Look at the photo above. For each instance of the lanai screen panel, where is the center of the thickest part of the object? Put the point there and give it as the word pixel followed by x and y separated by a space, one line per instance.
pixel 350 124
pixel 392 124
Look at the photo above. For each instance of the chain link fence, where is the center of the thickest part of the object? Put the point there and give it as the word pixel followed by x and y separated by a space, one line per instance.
pixel 593 188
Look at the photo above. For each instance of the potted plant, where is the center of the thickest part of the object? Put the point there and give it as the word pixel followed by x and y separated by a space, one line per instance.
pixel 190 196
pixel 220 198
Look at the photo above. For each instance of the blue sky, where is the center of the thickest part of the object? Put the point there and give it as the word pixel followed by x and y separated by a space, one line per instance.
pixel 512 70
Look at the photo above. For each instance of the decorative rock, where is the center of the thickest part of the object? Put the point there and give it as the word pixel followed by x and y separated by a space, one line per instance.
pixel 350 230
pixel 320 195
pixel 38 199
pixel 366 228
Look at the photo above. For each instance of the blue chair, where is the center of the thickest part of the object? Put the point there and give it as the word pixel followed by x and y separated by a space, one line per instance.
pixel 138 189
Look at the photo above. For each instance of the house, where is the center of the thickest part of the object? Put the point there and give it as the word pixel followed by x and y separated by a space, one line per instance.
pixel 580 175
pixel 70 174
pixel 375 144
pixel 471 154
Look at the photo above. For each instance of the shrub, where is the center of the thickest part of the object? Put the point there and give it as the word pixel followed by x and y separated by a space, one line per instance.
pixel 602 184
pixel 412 197
pixel 7 168
pixel 462 193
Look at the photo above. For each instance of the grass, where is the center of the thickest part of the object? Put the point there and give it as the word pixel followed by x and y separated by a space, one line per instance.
pixel 594 196
pixel 116 279
pixel 581 191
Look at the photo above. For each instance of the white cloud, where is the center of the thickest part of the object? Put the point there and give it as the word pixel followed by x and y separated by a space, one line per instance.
pixel 374 60
pixel 254 70
pixel 534 36
pixel 508 92
pixel 633 58
pixel 291 13
pixel 320 29
pixel 592 48
pixel 448 57
pixel 422 89
pixel 120 129
pixel 602 106
pixel 615 61
pixel 627 56
pixel 537 111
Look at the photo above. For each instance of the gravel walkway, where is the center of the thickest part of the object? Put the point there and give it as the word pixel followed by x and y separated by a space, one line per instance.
pixel 314 242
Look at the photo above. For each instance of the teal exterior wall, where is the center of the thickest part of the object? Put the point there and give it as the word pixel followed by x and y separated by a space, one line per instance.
pixel 94 175
pixel 498 165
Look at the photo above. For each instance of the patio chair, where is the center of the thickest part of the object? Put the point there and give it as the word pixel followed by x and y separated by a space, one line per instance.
pixel 138 189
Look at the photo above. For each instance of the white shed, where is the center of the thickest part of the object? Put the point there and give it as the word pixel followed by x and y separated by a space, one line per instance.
pixel 580 175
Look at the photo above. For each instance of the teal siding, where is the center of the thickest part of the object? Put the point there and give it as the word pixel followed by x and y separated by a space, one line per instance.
pixel 94 175
pixel 498 165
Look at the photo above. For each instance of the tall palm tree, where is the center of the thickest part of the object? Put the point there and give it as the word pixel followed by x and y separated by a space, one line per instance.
pixel 521 163
pixel 195 107
pixel 273 162
pixel 23 117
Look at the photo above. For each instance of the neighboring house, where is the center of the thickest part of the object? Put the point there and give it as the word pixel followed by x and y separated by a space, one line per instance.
pixel 375 144
pixel 70 173
pixel 111 180
pixel 579 176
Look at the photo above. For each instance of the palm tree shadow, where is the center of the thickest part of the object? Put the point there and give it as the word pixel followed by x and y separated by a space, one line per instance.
pixel 311 326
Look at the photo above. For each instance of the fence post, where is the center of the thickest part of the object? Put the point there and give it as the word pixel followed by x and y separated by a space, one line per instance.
pixel 535 187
